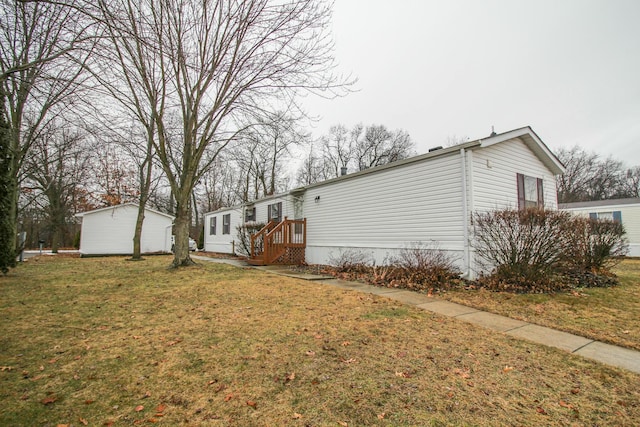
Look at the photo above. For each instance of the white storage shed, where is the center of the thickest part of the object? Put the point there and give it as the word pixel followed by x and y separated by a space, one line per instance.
pixel 110 230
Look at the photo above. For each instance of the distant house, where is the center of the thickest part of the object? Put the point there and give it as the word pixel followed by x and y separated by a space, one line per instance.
pixel 627 211
pixel 428 198
pixel 110 230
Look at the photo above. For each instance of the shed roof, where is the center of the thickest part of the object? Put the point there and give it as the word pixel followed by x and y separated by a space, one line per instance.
pixel 82 214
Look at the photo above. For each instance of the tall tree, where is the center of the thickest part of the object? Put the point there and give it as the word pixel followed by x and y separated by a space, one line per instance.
pixel 376 146
pixel 216 64
pixel 588 177
pixel 357 149
pixel 40 66
pixel 55 169
pixel 7 195
pixel 261 153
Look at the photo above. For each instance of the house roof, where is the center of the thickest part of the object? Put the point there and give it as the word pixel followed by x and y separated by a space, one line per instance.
pixel 600 203
pixel 525 134
pixel 82 214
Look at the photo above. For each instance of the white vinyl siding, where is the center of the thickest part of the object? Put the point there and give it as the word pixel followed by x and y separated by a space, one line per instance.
pixel 494 176
pixel 109 231
pixel 223 241
pixel 419 201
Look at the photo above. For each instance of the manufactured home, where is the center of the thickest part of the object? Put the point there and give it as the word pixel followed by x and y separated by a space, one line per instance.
pixel 626 211
pixel 428 198
pixel 110 230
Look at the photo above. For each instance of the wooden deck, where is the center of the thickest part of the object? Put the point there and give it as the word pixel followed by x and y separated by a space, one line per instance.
pixel 282 243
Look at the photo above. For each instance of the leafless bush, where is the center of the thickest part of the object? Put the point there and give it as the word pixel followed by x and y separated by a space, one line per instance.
pixel 595 245
pixel 245 232
pixel 419 267
pixel 546 251
pixel 525 244
pixel 351 260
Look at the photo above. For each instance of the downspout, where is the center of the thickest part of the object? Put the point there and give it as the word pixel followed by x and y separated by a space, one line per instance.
pixel 465 229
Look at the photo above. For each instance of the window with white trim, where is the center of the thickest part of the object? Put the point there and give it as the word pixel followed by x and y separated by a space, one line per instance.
pixel 611 216
pixel 212 226
pixel 274 212
pixel 530 192
pixel 250 214
pixel 226 224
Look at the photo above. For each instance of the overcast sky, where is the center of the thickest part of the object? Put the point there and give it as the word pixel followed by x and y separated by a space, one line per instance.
pixel 443 69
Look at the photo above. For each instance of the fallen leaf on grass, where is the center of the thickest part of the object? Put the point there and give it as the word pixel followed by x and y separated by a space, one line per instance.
pixel 297 416
pixel 252 404
pixel 507 369
pixel 290 377
pixel 88 402
pixel 310 353
pixel 565 404
pixel 228 397
pixel 464 373
pixel 541 411
pixel 84 422
pixel 343 424
pixel 403 374
pixel 48 400
pixel 161 408
pixel 381 416
pixel 349 360
pixel 575 390
pixel 346 343
pixel 139 408
pixel 6 368
pixel 62 425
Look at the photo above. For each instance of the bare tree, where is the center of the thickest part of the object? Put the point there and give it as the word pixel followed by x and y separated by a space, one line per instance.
pixel 56 170
pixel 588 177
pixel 355 150
pixel 378 146
pixel 337 150
pixel 40 65
pixel 262 152
pixel 216 64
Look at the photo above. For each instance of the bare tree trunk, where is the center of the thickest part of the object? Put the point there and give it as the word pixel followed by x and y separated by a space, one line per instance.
pixel 181 228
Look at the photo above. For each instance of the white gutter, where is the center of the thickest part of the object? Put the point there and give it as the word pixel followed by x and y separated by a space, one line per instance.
pixel 465 228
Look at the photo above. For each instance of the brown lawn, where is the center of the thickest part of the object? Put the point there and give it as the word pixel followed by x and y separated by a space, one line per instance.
pixel 104 341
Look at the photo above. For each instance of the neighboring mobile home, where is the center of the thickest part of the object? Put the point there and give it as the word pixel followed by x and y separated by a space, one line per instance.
pixel 110 230
pixel 428 198
pixel 627 211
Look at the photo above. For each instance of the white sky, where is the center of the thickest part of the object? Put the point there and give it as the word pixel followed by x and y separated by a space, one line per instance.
pixel 440 69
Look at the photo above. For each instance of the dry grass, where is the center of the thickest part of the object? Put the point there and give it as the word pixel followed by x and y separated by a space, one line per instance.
pixel 605 314
pixel 104 341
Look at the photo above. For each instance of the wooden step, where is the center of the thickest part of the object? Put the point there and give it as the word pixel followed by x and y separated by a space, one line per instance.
pixel 256 261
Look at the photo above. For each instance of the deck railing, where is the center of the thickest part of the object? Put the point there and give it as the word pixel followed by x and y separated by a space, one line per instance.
pixel 282 243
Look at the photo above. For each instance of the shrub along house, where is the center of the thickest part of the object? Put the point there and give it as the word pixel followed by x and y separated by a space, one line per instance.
pixel 625 211
pixel 427 198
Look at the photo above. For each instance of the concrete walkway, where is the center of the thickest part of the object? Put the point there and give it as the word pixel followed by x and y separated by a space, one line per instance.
pixel 585 347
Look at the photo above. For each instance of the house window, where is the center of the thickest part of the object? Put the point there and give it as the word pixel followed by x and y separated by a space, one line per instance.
pixel 611 216
pixel 212 226
pixel 250 214
pixel 226 224
pixel 530 192
pixel 275 212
